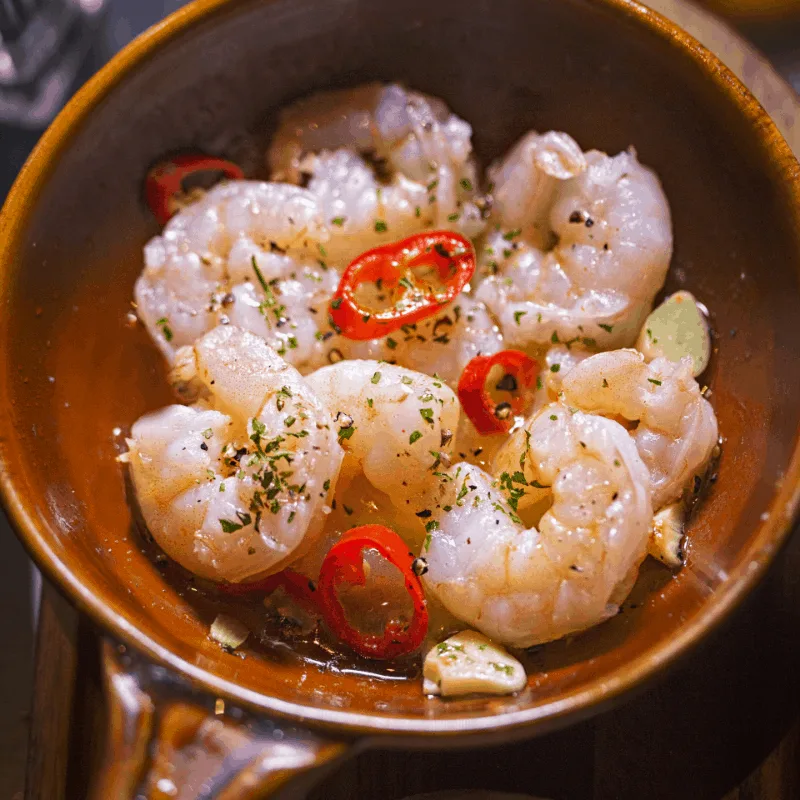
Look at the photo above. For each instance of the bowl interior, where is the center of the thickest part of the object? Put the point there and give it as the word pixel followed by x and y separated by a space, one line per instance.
pixel 72 369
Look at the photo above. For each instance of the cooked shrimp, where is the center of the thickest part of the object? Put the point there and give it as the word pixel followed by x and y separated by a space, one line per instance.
pixel 526 586
pixel 614 244
pixel 384 162
pixel 235 486
pixel 396 423
pixel 249 253
pixel 526 180
pixel 677 428
pixel 444 344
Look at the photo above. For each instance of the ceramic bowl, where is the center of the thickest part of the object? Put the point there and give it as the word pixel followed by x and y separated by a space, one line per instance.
pixel 611 73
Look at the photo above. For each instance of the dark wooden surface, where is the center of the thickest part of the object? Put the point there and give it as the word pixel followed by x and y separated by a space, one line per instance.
pixel 724 725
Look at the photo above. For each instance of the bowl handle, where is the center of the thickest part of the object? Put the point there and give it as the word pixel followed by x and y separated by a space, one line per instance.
pixel 167 742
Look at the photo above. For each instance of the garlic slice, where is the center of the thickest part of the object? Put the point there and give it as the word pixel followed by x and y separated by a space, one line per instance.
pixel 666 534
pixel 675 329
pixel 470 663
pixel 229 632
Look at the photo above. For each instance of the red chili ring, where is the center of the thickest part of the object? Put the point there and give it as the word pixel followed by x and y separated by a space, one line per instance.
pixel 165 180
pixel 297 586
pixel 449 253
pixel 477 402
pixel 344 564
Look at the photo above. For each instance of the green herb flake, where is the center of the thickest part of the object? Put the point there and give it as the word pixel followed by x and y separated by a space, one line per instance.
pixel 163 323
pixel 208 433
pixel 555 367
pixel 433 525
pixel 466 184
pixel 653 380
pixel 608 328
pixel 512 234
pixel 376 378
pixel 380 226
pixel 230 527
pixel 415 437
pixel 346 433
pixel 518 315
pixel 338 221
pixel 427 415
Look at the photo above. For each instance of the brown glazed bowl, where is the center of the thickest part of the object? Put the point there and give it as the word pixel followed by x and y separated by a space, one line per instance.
pixel 611 73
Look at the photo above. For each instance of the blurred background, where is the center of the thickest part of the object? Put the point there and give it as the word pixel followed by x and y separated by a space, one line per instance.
pixel 48 48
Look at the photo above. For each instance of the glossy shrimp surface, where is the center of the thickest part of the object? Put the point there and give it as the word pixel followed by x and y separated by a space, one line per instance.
pixel 526 585
pixel 234 486
pixel 611 227
pixel 384 162
pixel 248 253
pixel 401 421
pixel 677 428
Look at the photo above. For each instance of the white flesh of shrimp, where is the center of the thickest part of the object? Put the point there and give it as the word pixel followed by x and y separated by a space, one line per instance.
pixel 613 234
pixel 526 586
pixel 234 486
pixel 677 428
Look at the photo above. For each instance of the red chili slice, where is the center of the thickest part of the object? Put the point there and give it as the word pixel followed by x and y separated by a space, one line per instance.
pixel 486 415
pixel 391 266
pixel 344 564
pixel 297 586
pixel 165 181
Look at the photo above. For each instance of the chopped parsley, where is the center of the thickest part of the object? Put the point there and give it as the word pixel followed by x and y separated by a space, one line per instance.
pixel 555 367
pixel 380 226
pixel 163 323
pixel 230 527
pixel 208 433
pixel 466 184
pixel 338 221
pixel 376 378
pixel 415 436
pixel 518 315
pixel 432 525
pixel 346 433
pixel 653 380
pixel 427 415
pixel 512 234
pixel 608 328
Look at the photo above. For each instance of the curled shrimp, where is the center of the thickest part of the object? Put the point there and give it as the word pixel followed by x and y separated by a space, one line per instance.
pixel 611 222
pixel 247 253
pixel 523 586
pixel 396 423
pixel 234 486
pixel 677 428
pixel 384 162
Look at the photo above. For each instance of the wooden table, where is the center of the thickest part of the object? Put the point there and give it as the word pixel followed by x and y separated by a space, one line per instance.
pixel 724 725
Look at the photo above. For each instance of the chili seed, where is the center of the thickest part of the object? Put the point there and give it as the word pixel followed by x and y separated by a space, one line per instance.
pixel 503 411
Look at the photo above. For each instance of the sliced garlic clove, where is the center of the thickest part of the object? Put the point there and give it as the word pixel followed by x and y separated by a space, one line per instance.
pixel 470 663
pixel 666 535
pixel 675 329
pixel 229 632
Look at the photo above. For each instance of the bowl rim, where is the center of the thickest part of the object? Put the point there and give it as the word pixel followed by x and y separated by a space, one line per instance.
pixel 771 535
